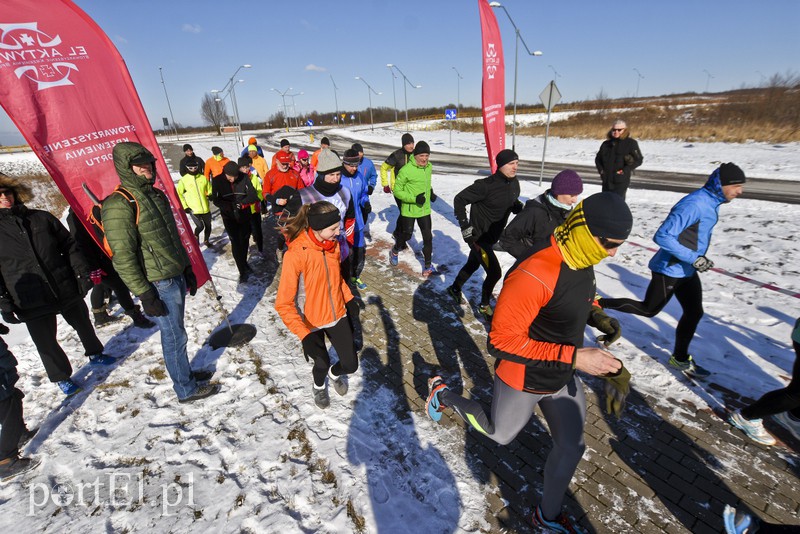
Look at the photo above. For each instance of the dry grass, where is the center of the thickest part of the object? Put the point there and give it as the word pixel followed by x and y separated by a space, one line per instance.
pixel 770 115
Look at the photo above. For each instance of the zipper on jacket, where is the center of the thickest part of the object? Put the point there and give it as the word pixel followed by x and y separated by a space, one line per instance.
pixel 330 289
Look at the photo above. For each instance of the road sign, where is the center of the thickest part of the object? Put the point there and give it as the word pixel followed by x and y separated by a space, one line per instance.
pixel 550 96
pixel 166 122
pixel 450 114
pixel 352 117
pixel 343 115
pixel 309 122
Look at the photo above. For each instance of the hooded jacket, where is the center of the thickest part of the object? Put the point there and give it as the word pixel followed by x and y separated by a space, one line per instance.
pixel 150 250
pixel 490 200
pixel 685 234
pixel 535 222
pixel 411 181
pixel 309 269
pixel 194 190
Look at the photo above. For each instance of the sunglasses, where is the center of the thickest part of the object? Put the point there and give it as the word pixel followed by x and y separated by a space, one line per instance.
pixel 7 192
pixel 617 129
pixel 608 244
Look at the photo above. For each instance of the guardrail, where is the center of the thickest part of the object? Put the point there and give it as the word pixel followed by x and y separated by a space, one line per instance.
pixel 16 148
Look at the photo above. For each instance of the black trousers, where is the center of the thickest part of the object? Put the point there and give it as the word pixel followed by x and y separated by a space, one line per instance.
pixel 202 224
pixel 780 400
pixel 357 255
pixel 689 293
pixel 12 424
pixel 239 234
pixel 341 337
pixel 113 282
pixel 405 229
pixel 256 232
pixel 43 332
pixel 619 187
pixel 492 268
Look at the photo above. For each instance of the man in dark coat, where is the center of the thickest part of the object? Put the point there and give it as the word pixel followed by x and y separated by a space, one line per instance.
pixel 43 273
pixel 233 193
pixel 542 214
pixel 618 156
pixel 190 157
pixel 491 201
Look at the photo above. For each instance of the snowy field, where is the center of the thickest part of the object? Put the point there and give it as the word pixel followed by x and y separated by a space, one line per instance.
pixel 260 457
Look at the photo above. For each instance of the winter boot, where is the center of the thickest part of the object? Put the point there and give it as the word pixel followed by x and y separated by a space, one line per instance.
pixel 102 318
pixel 16 465
pixel 139 320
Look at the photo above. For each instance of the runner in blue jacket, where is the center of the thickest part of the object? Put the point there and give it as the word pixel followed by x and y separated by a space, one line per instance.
pixel 684 238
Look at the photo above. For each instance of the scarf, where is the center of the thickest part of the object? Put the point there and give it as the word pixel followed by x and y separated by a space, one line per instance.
pixel 327 246
pixel 576 242
pixel 326 189
pixel 554 201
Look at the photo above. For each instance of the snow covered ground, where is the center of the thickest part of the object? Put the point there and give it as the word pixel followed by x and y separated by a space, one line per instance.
pixel 260 457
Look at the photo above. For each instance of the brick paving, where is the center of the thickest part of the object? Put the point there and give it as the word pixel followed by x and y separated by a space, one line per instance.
pixel 648 472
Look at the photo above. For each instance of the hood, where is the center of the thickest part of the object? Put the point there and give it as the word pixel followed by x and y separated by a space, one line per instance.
pixel 123 154
pixel 22 193
pixel 714 187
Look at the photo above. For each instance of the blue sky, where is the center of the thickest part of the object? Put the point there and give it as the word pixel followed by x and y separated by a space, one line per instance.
pixel 592 45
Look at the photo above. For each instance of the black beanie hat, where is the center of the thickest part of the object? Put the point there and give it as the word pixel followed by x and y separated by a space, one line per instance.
pixel 731 174
pixel 285 142
pixel 407 138
pixel 422 148
pixel 245 160
pixel 325 141
pixel 216 150
pixel 607 215
pixel 231 169
pixel 505 156
pixel 187 146
pixel 357 147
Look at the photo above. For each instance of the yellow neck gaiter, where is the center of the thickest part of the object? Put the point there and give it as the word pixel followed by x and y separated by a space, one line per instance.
pixel 218 157
pixel 576 242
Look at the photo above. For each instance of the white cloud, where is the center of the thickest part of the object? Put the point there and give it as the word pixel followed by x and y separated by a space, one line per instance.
pixel 313 67
pixel 191 28
pixel 120 39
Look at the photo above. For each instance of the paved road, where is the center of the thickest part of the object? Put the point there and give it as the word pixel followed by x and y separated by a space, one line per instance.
pixel 757 188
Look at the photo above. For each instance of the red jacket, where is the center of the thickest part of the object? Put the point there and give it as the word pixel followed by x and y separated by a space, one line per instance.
pixel 275 179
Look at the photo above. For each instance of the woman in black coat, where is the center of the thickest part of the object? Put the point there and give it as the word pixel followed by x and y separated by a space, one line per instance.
pixel 618 156
pixel 233 193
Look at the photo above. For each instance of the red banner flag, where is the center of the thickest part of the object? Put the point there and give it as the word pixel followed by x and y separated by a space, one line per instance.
pixel 69 93
pixel 493 95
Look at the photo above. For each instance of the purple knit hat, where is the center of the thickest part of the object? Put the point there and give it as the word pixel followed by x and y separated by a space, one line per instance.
pixel 567 182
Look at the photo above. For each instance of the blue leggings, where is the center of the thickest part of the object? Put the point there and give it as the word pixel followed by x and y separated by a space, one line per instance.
pixel 565 413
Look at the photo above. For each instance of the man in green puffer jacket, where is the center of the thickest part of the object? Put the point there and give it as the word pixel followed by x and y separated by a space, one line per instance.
pixel 149 257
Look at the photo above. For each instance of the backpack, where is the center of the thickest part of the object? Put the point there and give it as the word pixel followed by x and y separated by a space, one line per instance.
pixel 95 218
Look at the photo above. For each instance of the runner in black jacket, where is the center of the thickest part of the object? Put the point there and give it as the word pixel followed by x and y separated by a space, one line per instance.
pixel 493 199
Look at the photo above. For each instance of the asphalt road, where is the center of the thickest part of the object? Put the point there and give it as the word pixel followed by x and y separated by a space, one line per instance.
pixel 756 188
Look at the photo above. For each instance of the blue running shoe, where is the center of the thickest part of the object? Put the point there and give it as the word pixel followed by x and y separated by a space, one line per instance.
pixel 430 270
pixel 737 522
pixel 68 387
pixel 561 524
pixel 393 259
pixel 434 405
pixel 358 283
pixel 102 359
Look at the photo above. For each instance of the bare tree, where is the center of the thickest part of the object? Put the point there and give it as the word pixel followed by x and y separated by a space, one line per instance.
pixel 213 111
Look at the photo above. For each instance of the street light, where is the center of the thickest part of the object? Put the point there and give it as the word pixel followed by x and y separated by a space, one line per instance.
pixel 234 104
pixel 555 72
pixel 370 90
pixel 294 109
pixel 458 88
pixel 394 98
pixel 285 113
pixel 637 81
pixel 405 93
pixel 168 105
pixel 335 99
pixel 707 79
pixel 516 56
pixel 231 83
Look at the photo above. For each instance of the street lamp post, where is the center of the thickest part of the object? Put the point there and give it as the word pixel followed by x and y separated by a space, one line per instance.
pixel 294 108
pixel 285 113
pixel 555 72
pixel 168 104
pixel 458 88
pixel 516 56
pixel 335 98
pixel 394 97
pixel 405 93
pixel 640 77
pixel 370 90
pixel 236 110
pixel 231 83
pixel 708 79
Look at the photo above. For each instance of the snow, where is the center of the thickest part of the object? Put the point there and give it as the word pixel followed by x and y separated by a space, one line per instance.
pixel 260 457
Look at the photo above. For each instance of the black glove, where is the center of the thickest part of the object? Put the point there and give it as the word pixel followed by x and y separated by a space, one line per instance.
pixel 617 387
pixel 467 235
pixel 188 211
pixel 516 207
pixel 152 305
pixel 85 283
pixel 4 329
pixel 9 317
pixel 239 206
pixel 702 264
pixel 191 280
pixel 367 208
pixel 433 196
pixel 421 199
pixel 370 189
pixel 608 325
pixel 308 346
pixel 6 304
pixel 353 312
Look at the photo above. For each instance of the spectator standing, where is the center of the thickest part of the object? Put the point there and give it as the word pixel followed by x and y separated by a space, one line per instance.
pixel 618 156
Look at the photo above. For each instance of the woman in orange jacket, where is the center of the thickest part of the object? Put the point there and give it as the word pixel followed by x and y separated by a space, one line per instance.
pixel 328 306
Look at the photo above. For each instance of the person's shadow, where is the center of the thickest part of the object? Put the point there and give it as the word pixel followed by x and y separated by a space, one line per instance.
pixel 383 438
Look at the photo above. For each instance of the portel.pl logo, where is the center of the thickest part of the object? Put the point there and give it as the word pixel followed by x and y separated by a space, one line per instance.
pixel 38 56
pixel 491 60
